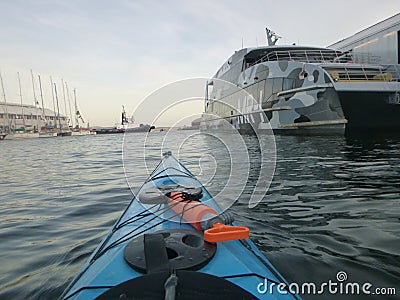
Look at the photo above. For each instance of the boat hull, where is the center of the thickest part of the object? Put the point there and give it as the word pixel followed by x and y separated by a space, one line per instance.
pixel 370 110
pixel 81 133
pixel 301 91
pixel 49 134
pixel 330 112
pixel 144 128
pixel 21 135
pixel 64 133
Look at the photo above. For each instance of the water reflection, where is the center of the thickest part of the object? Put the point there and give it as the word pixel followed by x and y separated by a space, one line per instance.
pixel 333 205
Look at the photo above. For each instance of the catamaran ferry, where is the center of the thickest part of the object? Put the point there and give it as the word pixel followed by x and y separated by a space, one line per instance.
pixel 302 90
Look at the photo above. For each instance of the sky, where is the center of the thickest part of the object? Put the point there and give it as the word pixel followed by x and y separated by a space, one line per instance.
pixel 118 52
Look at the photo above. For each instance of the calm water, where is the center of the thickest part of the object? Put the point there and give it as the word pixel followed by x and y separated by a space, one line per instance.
pixel 333 205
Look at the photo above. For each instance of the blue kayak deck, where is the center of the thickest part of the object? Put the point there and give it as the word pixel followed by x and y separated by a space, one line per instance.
pixel 238 261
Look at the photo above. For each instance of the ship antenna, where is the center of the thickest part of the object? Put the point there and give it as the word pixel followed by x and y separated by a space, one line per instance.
pixel 272 37
pixel 123 121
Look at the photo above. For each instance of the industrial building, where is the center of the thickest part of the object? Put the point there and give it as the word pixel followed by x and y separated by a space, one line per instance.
pixel 377 44
pixel 17 117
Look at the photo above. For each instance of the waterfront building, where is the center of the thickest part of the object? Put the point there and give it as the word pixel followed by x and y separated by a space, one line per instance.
pixel 16 117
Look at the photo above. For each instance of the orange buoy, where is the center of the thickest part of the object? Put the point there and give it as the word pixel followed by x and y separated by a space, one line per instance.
pixel 192 211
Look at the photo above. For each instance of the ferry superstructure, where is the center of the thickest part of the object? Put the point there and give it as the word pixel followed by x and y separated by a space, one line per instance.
pixel 302 90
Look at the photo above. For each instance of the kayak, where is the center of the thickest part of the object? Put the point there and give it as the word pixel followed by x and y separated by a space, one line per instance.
pixel 174 242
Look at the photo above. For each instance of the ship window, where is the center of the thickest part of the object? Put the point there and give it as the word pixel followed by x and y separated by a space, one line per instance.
pixel 262 75
pixel 253 57
pixel 252 90
pixel 260 91
pixel 277 87
pixel 288 84
pixel 268 88
pixel 398 47
pixel 245 65
pixel 248 62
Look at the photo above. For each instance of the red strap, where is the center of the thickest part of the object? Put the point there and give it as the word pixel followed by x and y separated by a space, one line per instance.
pixel 221 233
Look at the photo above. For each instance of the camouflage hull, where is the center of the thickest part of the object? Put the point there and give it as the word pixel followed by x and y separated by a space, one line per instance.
pixel 313 93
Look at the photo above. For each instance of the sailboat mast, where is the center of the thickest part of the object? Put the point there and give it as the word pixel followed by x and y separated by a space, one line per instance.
pixel 58 107
pixel 65 101
pixel 41 97
pixel 20 96
pixel 33 87
pixel 69 104
pixel 54 102
pixel 5 103
pixel 76 110
pixel 36 102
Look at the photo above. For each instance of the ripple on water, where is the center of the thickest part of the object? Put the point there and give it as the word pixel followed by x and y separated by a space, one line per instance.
pixel 329 208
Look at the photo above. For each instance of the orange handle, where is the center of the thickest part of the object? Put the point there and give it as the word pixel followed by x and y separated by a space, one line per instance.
pixel 222 233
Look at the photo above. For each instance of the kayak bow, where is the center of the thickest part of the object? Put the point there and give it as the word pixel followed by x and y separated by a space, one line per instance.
pixel 173 242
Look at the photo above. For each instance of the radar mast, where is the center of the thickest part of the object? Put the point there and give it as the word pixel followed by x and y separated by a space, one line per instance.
pixel 272 37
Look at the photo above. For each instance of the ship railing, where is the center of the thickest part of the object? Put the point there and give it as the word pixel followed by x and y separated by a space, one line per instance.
pixel 341 66
pixel 358 72
pixel 319 56
pixel 394 70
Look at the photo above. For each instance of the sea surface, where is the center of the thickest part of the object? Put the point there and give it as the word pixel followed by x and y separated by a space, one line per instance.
pixel 333 204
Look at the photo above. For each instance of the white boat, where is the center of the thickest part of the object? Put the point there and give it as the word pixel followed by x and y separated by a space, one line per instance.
pixel 78 130
pixel 21 135
pixel 82 132
pixel 49 134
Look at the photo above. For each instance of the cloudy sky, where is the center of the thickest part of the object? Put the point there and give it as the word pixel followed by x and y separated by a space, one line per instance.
pixel 117 52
